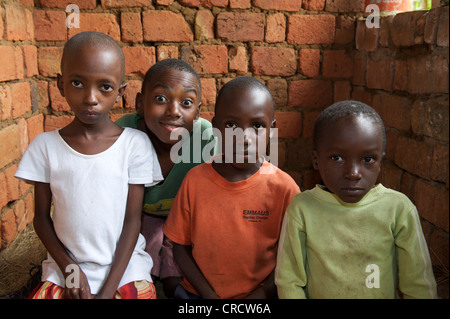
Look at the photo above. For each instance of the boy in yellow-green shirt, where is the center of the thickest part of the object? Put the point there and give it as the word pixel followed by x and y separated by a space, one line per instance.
pixel 350 238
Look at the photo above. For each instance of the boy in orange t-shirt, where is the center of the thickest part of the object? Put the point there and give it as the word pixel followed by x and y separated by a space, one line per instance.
pixel 227 215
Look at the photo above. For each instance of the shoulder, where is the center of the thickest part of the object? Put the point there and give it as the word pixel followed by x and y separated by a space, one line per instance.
pixel 275 175
pixel 392 196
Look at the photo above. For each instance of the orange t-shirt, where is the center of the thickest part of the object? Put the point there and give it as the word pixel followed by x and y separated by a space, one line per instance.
pixel 233 227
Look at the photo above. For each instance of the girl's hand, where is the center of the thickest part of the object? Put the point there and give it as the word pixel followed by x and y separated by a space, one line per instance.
pixel 81 289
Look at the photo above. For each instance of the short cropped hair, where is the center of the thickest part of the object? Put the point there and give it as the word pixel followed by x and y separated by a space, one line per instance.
pixel 246 83
pixel 176 64
pixel 99 39
pixel 345 109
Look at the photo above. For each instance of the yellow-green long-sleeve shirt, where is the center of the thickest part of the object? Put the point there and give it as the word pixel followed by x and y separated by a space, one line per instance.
pixel 332 249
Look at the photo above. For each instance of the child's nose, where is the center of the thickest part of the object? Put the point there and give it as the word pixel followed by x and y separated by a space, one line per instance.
pixel 353 171
pixel 173 109
pixel 91 97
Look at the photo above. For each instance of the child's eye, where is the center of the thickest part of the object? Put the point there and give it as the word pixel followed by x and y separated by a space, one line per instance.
pixel 107 88
pixel 160 98
pixel 369 159
pixel 258 126
pixel 336 158
pixel 230 125
pixel 77 84
pixel 187 103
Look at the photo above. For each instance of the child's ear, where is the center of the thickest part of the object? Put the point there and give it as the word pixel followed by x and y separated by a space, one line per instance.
pixel 314 157
pixel 139 104
pixel 60 84
pixel 122 88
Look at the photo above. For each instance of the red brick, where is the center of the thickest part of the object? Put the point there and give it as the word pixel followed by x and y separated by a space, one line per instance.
pixel 385 31
pixel 49 61
pixel 308 124
pixel 238 60
pixel 414 156
pixel 278 88
pixel 366 38
pixel 427 74
pixel 289 124
pixel 394 110
pixel 275 28
pixel 362 94
pixel 58 102
pixel 400 81
pixel 23 133
pixel 206 59
pixel 204 3
pixel 432 203
pixel 431 26
pixel 3 192
pixel 342 90
pixel 311 29
pixel 8 70
pixel 101 22
pixel 403 28
pixel 131 26
pixel 10 144
pixel 230 26
pixel 138 60
pixel 439 167
pixel 283 5
pixel 35 126
pixel 313 5
pixel 345 29
pixel 309 62
pixel 8 227
pixel 431 118
pixel 204 25
pixel 18 59
pixel 5 102
pixel 62 4
pixel 43 100
pixel 273 61
pixel 17 23
pixel 442 34
pixel 336 64
pixel 53 122
pixel 166 52
pixel 19 211
pixel 50 25
pixel 12 183
pixel 30 60
pixel 165 2
pixel 310 93
pixel 240 4
pixel 345 6
pixel 21 99
pixel 2 27
pixel 209 91
pixel 379 74
pixel 165 26
pixel 106 4
pixel 133 87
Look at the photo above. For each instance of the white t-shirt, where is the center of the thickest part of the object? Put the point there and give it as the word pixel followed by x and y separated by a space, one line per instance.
pixel 90 194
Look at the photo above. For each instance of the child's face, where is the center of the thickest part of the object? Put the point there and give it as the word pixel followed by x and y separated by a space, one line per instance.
pixel 170 102
pixel 348 157
pixel 91 82
pixel 251 111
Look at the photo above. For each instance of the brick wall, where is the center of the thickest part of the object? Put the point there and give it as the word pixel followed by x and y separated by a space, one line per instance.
pixel 310 53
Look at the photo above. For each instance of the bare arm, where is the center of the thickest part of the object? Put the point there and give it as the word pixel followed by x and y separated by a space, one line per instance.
pixel 127 241
pixel 183 257
pixel 43 225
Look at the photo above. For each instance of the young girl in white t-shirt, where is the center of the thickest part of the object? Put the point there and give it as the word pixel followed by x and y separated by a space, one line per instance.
pixel 94 172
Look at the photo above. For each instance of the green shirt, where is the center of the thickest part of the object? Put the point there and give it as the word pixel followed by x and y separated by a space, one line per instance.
pixel 332 249
pixel 158 199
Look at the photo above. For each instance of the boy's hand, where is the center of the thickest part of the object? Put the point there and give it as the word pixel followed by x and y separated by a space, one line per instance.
pixel 80 291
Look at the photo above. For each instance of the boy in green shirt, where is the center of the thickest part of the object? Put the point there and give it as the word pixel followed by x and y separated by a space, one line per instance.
pixel 168 111
pixel 350 238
